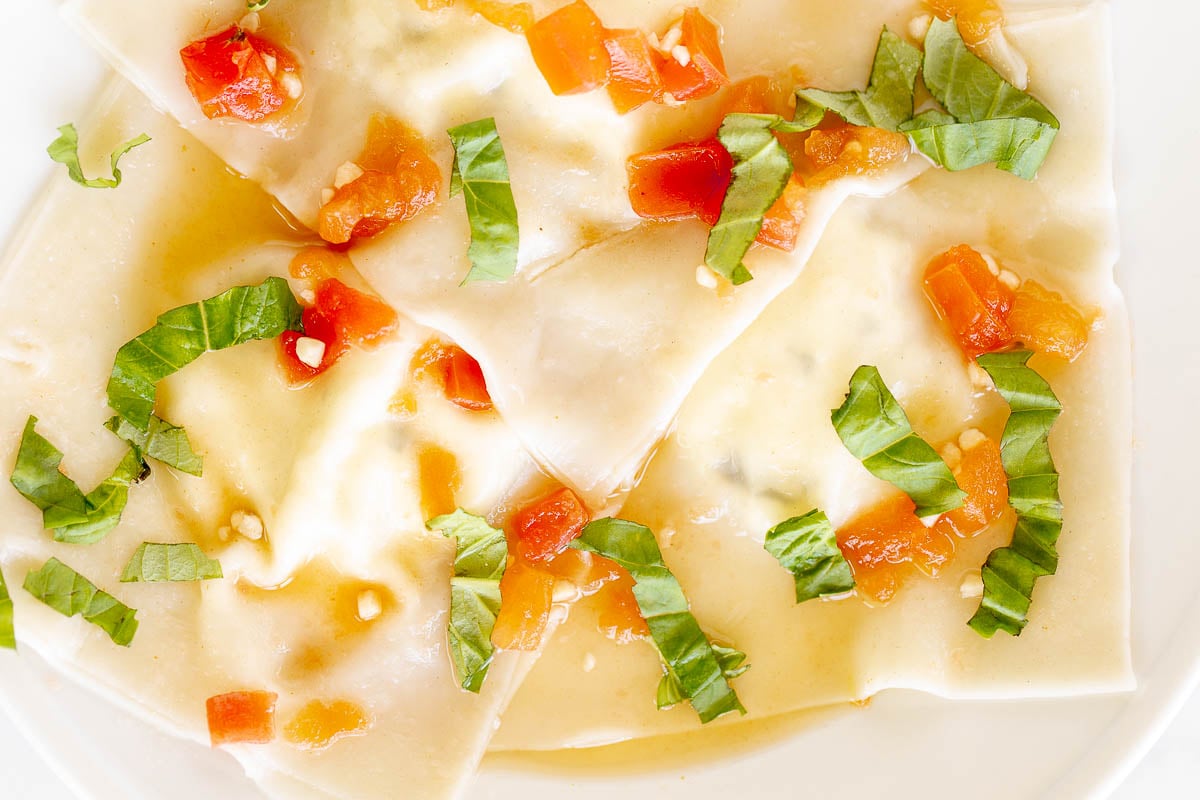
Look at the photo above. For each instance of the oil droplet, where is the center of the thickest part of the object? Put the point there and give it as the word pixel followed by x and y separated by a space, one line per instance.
pixel 319 724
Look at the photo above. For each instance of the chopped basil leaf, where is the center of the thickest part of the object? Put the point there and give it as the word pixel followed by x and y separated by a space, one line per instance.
pixel 170 562
pixel 257 5
pixel 993 121
pixel 887 102
pixel 480 172
pixel 684 647
pixel 876 430
pixel 181 335
pixel 69 593
pixel 73 516
pixel 807 547
pixel 65 150
pixel 480 555
pixel 8 638
pixel 162 441
pixel 1010 572
pixel 732 661
pixel 761 169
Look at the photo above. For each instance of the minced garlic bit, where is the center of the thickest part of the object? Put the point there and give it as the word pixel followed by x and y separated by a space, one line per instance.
pixel 565 592
pixel 972 585
pixel 971 437
pixel 1009 279
pixel 291 84
pixel 310 351
pixel 589 662
pixel 979 377
pixel 706 277
pixel 249 23
pixel 669 100
pixel 271 62
pixel 308 296
pixel 348 172
pixel 919 26
pixel 992 266
pixel 682 55
pixel 326 196
pixel 952 455
pixel 370 605
pixel 930 520
pixel 670 39
pixel 247 524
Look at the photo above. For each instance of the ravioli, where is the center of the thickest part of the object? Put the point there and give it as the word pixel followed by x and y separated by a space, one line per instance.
pixel 753 445
pixel 330 471
pixel 591 281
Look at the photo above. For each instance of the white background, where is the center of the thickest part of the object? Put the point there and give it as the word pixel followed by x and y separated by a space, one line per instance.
pixel 67 78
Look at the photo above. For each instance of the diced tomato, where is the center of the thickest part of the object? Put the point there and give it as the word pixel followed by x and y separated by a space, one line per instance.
pixel 842 150
pixel 760 94
pixel 683 181
pixel 783 221
pixel 977 19
pixel 619 616
pixel 314 264
pixel 973 301
pixel 545 527
pixel 526 594
pixel 241 718
pixel 235 73
pixel 879 541
pixel 704 73
pixel 340 318
pixel 932 548
pixel 568 47
pixel 1044 322
pixel 456 371
pixel 399 180
pixel 633 77
pixel 513 17
pixel 981 475
pixel 438 479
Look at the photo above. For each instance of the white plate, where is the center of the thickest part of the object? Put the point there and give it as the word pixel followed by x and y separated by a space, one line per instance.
pixel 904 741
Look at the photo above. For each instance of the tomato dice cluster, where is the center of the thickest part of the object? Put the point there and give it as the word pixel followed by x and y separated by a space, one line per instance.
pixel 576 54
pixel 986 313
pixel 886 541
pixel 539 534
pixel 240 75
pixel 340 318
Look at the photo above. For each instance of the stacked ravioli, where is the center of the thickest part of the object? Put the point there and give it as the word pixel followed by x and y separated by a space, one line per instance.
pixel 700 412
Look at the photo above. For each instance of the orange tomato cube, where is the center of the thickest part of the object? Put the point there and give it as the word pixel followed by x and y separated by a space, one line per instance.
pixel 568 48
pixel 848 150
pixel 526 594
pixel 981 475
pixel 546 526
pixel 1044 322
pixel 513 17
pixel 241 718
pixel 398 181
pixel 619 616
pixel 458 374
pixel 238 74
pixel 974 303
pixel 977 19
pixel 783 221
pixel 759 94
pixel 704 71
pixel 633 77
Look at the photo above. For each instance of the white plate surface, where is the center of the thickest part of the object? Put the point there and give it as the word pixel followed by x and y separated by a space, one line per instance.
pixel 904 744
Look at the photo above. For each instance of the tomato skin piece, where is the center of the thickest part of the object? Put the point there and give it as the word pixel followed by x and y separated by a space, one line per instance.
pixel 970 299
pixel 705 71
pixel 546 526
pixel 568 48
pixel 241 718
pixel 341 318
pixel 228 74
pixel 465 385
pixel 1044 322
pixel 633 77
pixel 683 181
